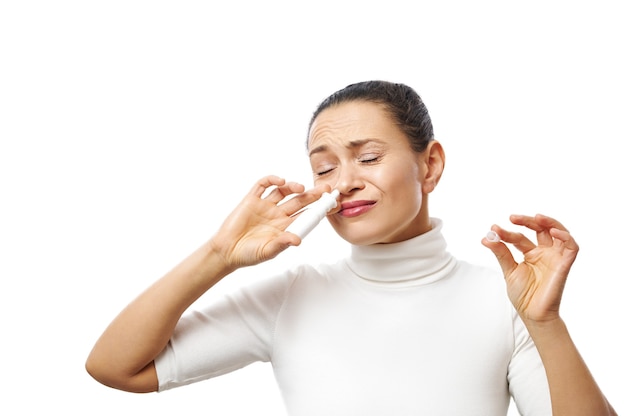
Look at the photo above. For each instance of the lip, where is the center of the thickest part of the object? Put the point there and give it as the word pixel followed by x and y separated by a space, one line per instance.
pixel 355 208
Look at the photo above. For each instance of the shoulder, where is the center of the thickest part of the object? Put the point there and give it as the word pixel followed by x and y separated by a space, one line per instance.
pixel 300 275
pixel 308 274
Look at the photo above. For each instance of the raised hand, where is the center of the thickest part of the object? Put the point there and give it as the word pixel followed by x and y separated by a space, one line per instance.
pixel 535 285
pixel 255 231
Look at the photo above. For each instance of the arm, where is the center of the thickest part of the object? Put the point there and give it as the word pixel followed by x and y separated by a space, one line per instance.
pixel 123 357
pixel 535 287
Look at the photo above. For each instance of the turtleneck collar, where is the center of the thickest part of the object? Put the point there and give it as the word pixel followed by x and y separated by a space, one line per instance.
pixel 417 261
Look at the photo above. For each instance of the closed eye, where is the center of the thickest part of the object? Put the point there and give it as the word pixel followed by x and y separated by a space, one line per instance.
pixel 324 172
pixel 369 159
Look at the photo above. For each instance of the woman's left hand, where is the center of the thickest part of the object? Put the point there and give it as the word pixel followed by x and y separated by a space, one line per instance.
pixel 535 285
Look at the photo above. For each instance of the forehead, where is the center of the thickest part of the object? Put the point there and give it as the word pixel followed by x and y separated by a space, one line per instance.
pixel 353 120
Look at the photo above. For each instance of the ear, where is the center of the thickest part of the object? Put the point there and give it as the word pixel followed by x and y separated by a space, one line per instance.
pixel 433 162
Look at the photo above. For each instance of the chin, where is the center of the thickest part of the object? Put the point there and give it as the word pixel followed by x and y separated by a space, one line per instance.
pixel 366 235
pixel 360 237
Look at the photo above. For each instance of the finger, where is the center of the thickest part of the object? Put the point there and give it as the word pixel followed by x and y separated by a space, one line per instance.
pixel 519 240
pixel 259 188
pixel 562 239
pixel 564 236
pixel 280 244
pixel 535 223
pixel 303 199
pixel 503 255
pixel 565 240
pixel 280 192
pixel 548 222
pixel 570 249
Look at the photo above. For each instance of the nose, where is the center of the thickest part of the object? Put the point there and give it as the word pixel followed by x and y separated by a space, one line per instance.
pixel 349 181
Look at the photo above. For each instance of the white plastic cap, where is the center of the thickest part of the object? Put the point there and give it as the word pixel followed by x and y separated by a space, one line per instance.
pixel 492 236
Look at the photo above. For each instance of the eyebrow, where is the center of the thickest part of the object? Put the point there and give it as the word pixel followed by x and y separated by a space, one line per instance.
pixel 351 145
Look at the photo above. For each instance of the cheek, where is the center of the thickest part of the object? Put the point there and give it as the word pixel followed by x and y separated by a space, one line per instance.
pixel 418 197
pixel 323 181
pixel 403 181
pixel 411 196
pixel 407 193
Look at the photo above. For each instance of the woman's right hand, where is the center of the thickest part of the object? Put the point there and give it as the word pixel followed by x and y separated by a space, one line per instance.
pixel 255 231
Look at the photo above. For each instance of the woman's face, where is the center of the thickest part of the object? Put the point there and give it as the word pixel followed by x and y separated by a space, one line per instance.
pixel 356 148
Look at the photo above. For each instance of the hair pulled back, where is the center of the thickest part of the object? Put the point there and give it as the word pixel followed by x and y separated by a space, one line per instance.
pixel 402 103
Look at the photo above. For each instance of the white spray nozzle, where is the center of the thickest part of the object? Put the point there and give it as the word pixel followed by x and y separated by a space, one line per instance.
pixel 313 214
pixel 492 237
pixel 335 194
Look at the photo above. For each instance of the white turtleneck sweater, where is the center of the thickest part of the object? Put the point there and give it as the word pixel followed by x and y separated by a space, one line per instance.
pixel 394 329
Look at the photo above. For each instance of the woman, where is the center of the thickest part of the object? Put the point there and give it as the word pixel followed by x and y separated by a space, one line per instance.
pixel 400 326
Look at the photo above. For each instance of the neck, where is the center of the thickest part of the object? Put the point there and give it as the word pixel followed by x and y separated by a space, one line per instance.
pixel 418 260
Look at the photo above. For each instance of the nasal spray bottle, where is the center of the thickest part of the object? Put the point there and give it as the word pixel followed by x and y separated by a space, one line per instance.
pixel 313 214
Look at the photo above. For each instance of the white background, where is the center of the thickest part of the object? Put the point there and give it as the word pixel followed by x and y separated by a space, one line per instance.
pixel 129 129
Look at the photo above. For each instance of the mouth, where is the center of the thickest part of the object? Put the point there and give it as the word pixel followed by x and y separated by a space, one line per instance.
pixel 351 209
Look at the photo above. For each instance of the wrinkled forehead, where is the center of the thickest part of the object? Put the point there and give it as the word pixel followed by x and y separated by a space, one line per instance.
pixel 351 120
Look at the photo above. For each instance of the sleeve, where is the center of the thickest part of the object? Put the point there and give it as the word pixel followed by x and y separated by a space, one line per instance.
pixel 528 383
pixel 229 334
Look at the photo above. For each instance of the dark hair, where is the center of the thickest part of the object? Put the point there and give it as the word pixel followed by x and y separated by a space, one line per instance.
pixel 402 103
